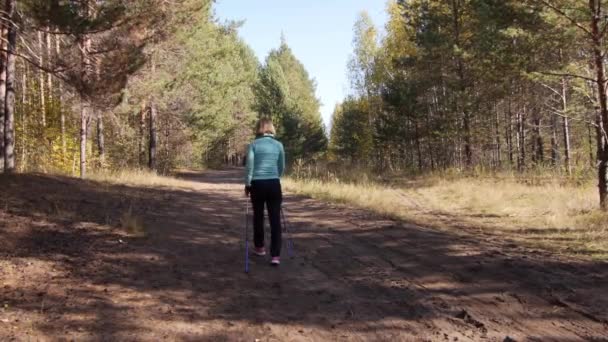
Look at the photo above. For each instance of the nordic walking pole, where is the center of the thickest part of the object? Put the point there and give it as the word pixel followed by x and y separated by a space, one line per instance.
pixel 246 237
pixel 289 239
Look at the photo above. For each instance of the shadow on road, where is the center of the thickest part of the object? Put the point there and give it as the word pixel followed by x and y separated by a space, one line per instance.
pixel 73 273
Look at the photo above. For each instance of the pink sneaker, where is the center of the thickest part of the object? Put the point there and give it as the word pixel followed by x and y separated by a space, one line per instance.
pixel 276 261
pixel 259 251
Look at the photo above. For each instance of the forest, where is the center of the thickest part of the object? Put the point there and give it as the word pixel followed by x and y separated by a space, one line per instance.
pixel 457 193
pixel 132 84
pixel 468 85
pixel 479 85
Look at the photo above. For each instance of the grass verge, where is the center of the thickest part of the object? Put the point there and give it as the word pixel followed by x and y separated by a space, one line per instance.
pixel 142 178
pixel 558 217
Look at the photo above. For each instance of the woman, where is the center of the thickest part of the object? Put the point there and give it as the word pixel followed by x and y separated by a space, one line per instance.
pixel 265 166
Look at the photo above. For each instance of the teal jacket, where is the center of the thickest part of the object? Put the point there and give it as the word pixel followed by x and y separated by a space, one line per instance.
pixel 265 159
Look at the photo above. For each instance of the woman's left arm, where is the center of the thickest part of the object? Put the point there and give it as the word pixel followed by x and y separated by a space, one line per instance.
pixel 250 163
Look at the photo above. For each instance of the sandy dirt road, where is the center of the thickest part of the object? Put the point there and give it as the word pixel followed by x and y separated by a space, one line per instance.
pixel 66 273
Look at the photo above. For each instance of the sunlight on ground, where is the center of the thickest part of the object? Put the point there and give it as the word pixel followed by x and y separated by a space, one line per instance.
pixel 141 178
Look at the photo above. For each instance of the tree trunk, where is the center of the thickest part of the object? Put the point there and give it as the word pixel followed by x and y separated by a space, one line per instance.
pixel 3 61
pixel 593 117
pixel 85 107
pixel 566 127
pixel 468 151
pixel 498 141
pixel 101 148
pixel 153 138
pixel 522 127
pixel 598 54
pixel 521 142
pixel 23 163
pixel 84 116
pixel 41 81
pixel 64 148
pixel 49 77
pixel 418 148
pixel 590 141
pixel 510 133
pixel 9 123
pixel 554 142
pixel 539 145
pixel 167 142
pixel 566 131
pixel 429 140
pixel 460 69
pixel 142 134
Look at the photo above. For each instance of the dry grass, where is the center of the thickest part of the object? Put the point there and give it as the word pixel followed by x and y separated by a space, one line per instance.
pixel 560 217
pixel 132 224
pixel 141 178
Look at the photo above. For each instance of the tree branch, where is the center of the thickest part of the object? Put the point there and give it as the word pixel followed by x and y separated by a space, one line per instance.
pixel 56 72
pixel 563 14
pixel 558 113
pixel 551 88
pixel 549 73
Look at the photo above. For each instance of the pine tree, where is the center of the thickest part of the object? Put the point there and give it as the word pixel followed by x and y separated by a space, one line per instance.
pixel 286 93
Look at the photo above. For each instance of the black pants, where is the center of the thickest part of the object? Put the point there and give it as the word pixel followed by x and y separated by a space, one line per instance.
pixel 267 192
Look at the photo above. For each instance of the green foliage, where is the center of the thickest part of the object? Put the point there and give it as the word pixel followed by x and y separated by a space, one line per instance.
pixel 286 93
pixel 351 134
pixel 201 84
pixel 114 61
pixel 362 63
pixel 197 72
pixel 40 147
pixel 467 84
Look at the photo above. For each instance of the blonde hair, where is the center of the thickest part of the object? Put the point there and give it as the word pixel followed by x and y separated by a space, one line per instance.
pixel 265 126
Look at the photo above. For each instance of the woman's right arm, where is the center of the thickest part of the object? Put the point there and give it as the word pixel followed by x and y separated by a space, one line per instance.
pixel 281 162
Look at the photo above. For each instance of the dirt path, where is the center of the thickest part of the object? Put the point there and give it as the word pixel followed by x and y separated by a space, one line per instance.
pixel 67 274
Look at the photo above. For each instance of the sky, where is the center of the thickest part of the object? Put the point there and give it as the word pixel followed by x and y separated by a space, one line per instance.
pixel 320 33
